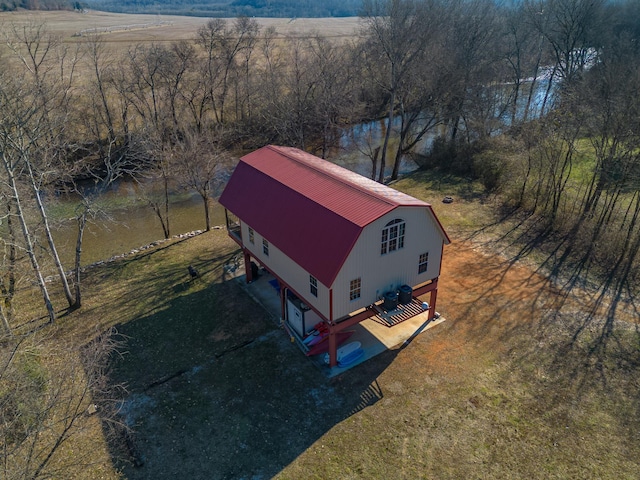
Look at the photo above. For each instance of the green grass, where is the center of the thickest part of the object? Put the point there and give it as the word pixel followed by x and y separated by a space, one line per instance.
pixel 465 214
pixel 583 162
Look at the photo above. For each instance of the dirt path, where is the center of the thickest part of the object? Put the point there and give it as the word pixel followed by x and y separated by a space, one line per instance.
pixel 485 300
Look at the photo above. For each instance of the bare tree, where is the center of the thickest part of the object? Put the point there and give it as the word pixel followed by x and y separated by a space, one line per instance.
pixel 48 393
pixel 154 84
pixel 197 97
pixel 159 199
pixel 573 33
pixel 144 70
pixel 367 143
pixel 473 54
pixel 111 152
pixel 423 95
pixel 289 104
pixel 223 44
pixel 20 124
pixel 200 165
pixel 8 264
pixel 249 30
pixel 335 89
pixel 178 63
pixel 393 28
pixel 49 69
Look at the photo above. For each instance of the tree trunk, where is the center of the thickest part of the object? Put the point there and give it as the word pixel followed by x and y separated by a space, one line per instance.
pixel 548 91
pixel 167 231
pixel 29 241
pixel 532 87
pixel 404 131
pixel 82 222
pixel 398 160
pixel 161 207
pixel 8 283
pixel 374 162
pixel 50 241
pixel 207 215
pixel 387 135
pixel 158 212
pixel 5 315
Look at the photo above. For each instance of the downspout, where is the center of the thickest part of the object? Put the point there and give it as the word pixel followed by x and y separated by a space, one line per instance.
pixel 441 255
pixel 434 292
pixel 283 304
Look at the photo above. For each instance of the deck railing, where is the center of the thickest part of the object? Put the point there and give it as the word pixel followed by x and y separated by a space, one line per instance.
pixel 233 226
pixel 235 231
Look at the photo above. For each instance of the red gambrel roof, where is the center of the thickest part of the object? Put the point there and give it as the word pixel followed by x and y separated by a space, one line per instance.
pixel 309 208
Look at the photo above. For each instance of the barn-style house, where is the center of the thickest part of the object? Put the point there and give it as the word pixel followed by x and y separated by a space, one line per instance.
pixel 341 246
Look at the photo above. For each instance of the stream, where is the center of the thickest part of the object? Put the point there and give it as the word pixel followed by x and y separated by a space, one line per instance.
pixel 131 222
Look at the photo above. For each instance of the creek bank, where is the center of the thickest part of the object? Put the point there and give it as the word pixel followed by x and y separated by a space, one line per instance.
pixel 174 239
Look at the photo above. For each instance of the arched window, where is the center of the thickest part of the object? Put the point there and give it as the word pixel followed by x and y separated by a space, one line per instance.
pixel 392 236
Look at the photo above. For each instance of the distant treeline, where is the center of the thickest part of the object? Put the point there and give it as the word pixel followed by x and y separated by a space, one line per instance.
pixel 11 5
pixel 234 8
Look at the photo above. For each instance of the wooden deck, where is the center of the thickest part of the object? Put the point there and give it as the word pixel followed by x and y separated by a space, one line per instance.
pixel 399 315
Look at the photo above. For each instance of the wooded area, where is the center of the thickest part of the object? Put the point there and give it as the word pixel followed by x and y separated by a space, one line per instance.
pixel 538 99
pixel 74 119
pixel 234 8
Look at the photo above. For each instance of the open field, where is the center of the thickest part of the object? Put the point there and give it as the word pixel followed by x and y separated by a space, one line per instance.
pixel 132 29
pixel 523 380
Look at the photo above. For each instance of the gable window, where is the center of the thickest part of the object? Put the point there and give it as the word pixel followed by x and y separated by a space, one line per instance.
pixel 354 288
pixel 265 247
pixel 251 237
pixel 313 285
pixel 423 262
pixel 392 236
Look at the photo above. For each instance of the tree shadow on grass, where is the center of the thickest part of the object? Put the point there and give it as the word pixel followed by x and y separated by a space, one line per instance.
pixel 565 268
pixel 574 352
pixel 582 337
pixel 217 390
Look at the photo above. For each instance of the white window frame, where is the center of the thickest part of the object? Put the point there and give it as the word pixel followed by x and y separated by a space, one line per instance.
pixel 423 262
pixel 313 285
pixel 355 289
pixel 392 236
pixel 265 246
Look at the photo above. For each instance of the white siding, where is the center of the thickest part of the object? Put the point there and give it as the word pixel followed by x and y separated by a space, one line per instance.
pixel 288 270
pixel 382 273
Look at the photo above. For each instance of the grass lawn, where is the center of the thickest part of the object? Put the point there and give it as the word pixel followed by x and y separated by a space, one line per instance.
pixel 522 380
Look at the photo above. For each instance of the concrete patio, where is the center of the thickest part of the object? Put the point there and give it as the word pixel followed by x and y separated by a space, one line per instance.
pixel 374 334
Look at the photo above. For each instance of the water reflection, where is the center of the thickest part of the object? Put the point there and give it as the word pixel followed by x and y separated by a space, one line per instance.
pixel 125 229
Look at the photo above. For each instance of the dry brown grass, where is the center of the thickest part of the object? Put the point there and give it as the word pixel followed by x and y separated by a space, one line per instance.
pixel 166 28
pixel 515 384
